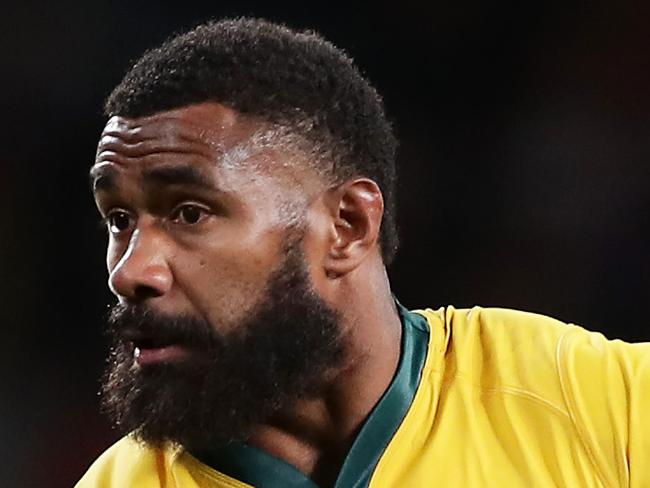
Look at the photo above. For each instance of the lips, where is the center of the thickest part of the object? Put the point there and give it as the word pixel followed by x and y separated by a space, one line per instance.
pixel 153 349
pixel 153 354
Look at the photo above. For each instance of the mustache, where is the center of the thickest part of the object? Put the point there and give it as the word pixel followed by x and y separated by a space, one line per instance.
pixel 138 323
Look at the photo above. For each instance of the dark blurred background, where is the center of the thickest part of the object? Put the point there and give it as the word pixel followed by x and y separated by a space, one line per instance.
pixel 525 143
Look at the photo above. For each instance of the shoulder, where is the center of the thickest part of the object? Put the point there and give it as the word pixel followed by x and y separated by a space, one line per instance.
pixel 479 332
pixel 600 388
pixel 125 463
pixel 500 349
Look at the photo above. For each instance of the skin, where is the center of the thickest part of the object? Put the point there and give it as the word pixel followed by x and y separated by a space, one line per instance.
pixel 206 248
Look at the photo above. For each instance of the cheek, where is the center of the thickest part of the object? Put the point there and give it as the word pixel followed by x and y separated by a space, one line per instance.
pixel 227 280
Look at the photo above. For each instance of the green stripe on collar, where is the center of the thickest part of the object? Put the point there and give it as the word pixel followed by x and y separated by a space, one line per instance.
pixel 262 470
pixel 255 467
pixel 387 416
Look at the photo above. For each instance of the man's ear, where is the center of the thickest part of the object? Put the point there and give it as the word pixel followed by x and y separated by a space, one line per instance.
pixel 356 208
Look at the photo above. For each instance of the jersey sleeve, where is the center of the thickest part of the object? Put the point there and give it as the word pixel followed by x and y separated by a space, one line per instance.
pixel 606 386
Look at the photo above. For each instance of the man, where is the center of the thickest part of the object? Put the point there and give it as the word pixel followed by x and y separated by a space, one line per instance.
pixel 246 178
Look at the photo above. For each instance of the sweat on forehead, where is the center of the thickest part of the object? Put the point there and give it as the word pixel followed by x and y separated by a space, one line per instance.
pixel 210 130
pixel 209 124
pixel 208 145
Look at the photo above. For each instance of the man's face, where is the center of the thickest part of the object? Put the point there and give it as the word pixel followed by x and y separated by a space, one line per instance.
pixel 195 224
pixel 218 325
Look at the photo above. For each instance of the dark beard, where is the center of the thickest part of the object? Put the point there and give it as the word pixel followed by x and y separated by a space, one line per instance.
pixel 282 353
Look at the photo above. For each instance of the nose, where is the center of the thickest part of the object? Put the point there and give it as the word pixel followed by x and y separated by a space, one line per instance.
pixel 142 272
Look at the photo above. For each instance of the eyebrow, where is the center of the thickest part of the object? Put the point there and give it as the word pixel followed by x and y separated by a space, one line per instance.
pixel 103 178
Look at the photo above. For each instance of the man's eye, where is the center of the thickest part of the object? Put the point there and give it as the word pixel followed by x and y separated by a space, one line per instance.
pixel 189 214
pixel 118 221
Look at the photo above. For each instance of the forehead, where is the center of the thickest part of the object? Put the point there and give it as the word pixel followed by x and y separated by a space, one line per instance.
pixel 206 129
pixel 205 144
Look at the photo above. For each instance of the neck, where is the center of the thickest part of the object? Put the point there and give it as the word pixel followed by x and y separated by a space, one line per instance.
pixel 317 433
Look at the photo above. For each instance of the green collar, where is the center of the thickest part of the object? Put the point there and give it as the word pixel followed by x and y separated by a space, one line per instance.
pixel 262 470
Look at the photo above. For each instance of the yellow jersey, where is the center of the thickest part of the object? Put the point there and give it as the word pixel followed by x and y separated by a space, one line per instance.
pixel 481 397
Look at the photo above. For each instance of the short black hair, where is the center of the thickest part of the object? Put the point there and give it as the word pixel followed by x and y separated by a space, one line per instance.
pixel 281 76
